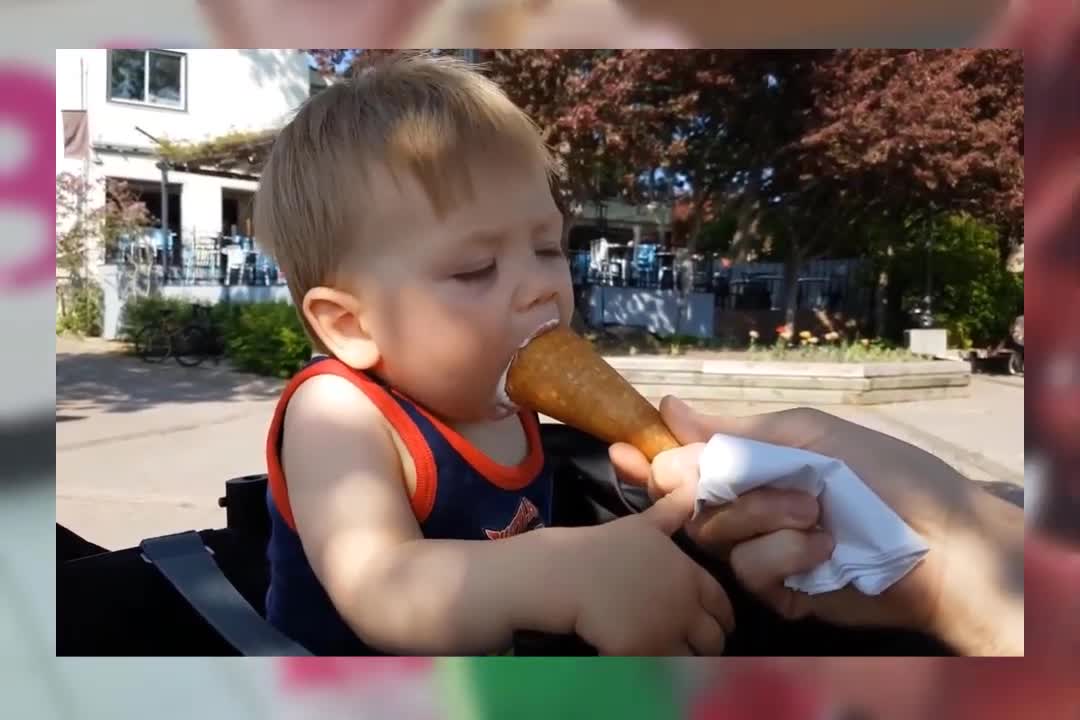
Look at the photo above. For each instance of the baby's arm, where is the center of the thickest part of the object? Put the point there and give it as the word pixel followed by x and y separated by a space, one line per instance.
pixel 401 593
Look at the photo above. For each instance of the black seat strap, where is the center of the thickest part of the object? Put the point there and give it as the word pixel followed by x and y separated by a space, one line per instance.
pixel 187 564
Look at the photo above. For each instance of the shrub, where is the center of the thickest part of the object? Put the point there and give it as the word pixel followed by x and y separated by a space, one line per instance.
pixel 263 338
pixel 80 309
pixel 975 297
pixel 266 338
pixel 146 310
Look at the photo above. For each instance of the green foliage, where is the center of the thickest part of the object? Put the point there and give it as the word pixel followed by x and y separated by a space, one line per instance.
pixel 263 338
pixel 80 309
pixel 810 348
pixel 147 310
pixel 974 297
pixel 268 339
pixel 93 215
pixel 235 143
pixel 717 234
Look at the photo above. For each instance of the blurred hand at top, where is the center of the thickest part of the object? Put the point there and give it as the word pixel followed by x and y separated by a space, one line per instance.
pixel 592 23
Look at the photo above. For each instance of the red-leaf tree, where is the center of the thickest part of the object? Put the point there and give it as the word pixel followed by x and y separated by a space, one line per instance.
pixel 920 134
pixel 940 129
pixel 805 149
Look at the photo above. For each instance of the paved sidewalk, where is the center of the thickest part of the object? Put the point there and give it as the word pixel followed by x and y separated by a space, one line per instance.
pixel 144 450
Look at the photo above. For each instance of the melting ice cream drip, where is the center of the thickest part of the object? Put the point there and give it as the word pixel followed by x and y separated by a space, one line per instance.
pixel 504 406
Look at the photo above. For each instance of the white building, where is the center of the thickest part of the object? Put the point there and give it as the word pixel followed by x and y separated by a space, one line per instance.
pixel 127 97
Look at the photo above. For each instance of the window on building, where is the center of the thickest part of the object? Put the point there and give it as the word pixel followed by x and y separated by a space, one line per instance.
pixel 148 77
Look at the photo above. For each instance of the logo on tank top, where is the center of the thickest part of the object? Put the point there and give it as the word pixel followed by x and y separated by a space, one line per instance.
pixel 526 518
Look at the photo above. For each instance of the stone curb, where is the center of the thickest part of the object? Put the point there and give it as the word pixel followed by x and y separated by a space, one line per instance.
pixel 788 369
pixel 797 383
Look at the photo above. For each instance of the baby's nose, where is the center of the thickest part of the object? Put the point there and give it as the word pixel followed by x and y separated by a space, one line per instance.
pixel 535 290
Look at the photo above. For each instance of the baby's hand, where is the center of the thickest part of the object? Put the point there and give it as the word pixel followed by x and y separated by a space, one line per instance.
pixel 639 594
pixel 673 469
pixel 716 529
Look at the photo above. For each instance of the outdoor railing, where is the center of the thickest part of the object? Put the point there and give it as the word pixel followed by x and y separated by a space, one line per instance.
pixel 200 260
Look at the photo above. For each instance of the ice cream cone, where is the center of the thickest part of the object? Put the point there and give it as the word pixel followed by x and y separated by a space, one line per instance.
pixel 560 375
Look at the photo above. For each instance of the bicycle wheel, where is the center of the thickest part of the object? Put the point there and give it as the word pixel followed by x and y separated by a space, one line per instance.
pixel 1016 363
pixel 152 344
pixel 190 345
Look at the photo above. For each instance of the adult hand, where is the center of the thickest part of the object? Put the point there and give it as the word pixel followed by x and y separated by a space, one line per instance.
pixel 326 23
pixel 758 513
pixel 968 590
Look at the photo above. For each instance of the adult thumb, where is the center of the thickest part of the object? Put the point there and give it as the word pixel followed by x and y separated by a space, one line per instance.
pixel 685 424
pixel 689 426
pixel 672 511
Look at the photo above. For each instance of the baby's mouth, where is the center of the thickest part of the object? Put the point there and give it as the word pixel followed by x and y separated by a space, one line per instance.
pixel 503 404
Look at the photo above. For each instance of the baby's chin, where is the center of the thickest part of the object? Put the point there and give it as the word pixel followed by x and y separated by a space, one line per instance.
pixel 470 411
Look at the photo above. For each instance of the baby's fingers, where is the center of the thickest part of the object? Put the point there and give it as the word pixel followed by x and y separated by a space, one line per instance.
pixel 715 601
pixel 676 468
pixel 706 636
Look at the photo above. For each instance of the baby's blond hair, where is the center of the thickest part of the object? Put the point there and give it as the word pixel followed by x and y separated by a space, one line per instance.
pixel 431 116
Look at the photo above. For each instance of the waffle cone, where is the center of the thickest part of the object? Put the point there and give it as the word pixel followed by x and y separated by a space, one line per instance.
pixel 560 375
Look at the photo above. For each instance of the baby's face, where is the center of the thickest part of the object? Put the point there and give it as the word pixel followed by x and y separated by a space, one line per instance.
pixel 453 298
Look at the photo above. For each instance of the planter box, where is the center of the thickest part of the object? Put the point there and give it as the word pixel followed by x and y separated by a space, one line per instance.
pixel 711 381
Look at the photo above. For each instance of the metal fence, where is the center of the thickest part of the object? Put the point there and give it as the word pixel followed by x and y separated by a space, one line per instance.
pixel 199 259
pixel 236 260
pixel 828 285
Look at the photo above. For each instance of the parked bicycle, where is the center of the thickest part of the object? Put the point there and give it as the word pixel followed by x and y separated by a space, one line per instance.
pixel 190 343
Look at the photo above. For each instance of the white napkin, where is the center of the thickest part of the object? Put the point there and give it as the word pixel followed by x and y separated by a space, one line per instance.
pixel 874 546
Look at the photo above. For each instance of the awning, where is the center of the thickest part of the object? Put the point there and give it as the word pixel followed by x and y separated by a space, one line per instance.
pixel 76 134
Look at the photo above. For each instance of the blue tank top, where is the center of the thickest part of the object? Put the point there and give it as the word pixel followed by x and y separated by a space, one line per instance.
pixel 460 494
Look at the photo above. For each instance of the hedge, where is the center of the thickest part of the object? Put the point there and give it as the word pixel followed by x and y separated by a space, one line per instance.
pixel 263 338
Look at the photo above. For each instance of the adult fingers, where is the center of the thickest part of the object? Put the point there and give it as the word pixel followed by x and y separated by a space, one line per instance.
pixel 687 425
pixel 763 563
pixel 799 427
pixel 237 23
pixel 756 513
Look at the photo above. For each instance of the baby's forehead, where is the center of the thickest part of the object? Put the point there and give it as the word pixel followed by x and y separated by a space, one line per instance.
pixel 477 195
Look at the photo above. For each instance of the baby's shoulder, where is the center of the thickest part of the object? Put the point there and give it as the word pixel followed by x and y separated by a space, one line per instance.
pixel 331 397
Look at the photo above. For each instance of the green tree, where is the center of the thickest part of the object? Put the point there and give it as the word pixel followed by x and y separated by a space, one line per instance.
pixel 89 225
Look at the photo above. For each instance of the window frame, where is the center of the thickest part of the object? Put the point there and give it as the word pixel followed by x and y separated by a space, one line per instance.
pixel 147 103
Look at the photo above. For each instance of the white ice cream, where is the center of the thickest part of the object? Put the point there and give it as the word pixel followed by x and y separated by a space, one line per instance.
pixel 504 406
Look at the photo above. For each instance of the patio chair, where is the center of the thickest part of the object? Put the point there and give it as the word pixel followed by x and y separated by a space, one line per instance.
pixel 645 265
pixel 579 267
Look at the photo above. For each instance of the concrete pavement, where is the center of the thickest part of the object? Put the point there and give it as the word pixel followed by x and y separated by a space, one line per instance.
pixel 144 450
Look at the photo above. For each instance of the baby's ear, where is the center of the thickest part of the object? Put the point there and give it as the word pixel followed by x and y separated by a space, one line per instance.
pixel 335 317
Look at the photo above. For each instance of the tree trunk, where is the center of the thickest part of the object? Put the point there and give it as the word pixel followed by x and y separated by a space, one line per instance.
pixel 684 266
pixel 745 222
pixel 881 294
pixel 792 265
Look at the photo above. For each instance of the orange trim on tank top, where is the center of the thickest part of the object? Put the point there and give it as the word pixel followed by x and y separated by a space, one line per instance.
pixel 506 477
pixel 422 499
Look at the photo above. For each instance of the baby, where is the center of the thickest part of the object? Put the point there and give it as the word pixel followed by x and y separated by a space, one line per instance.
pixel 411 210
